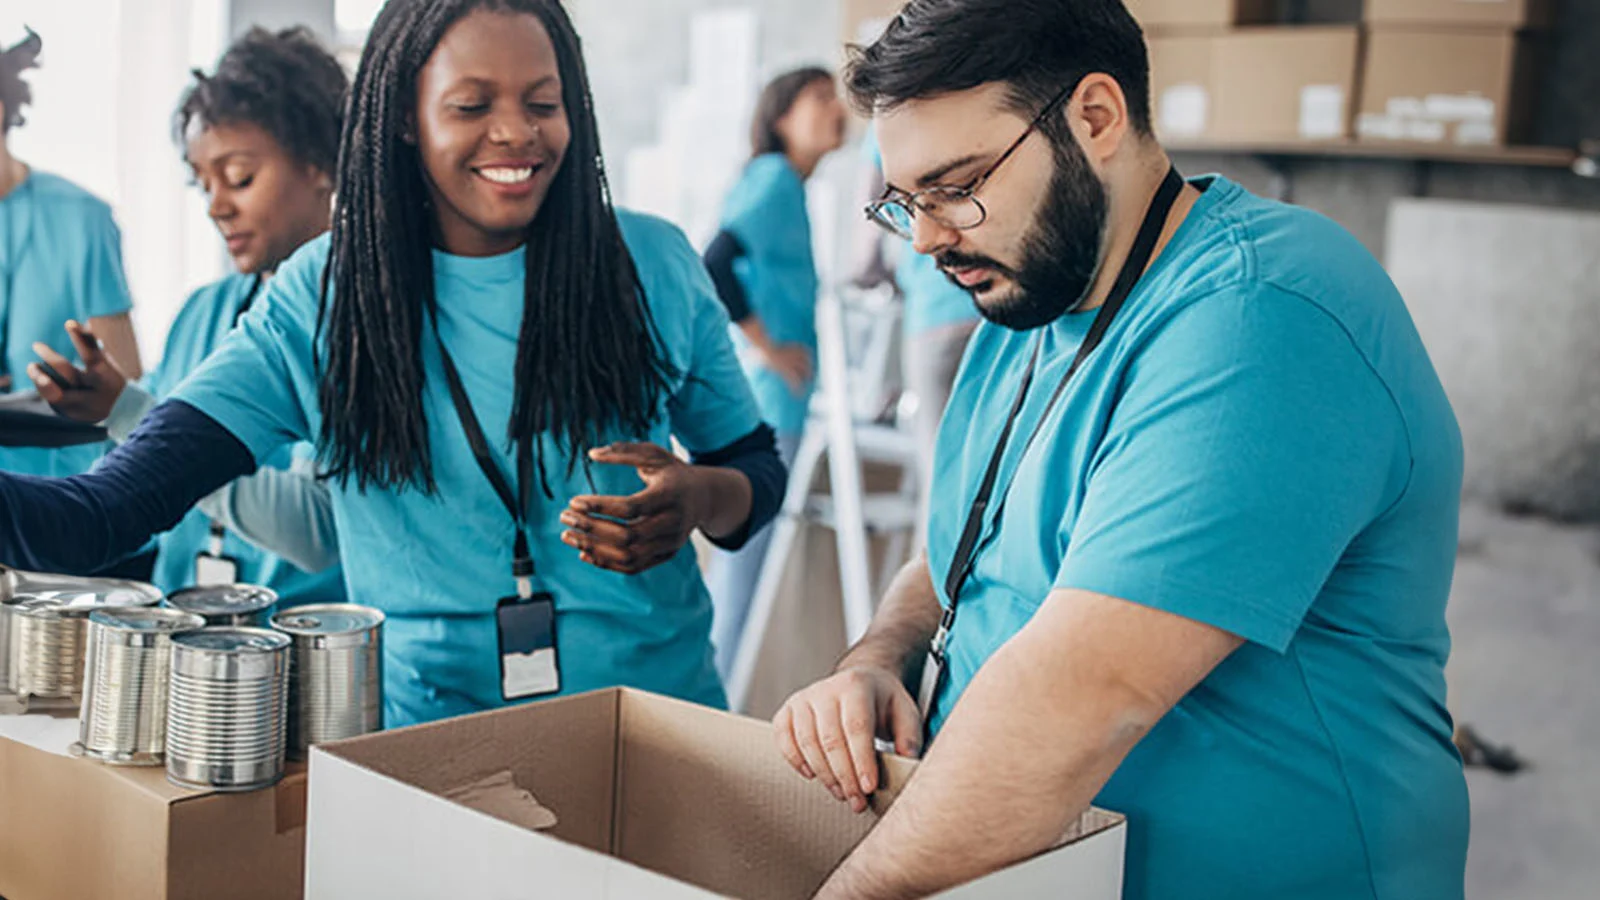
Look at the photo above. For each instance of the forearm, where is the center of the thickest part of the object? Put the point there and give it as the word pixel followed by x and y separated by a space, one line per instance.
pixel 903 628
pixel 1015 773
pixel 756 333
pixel 728 497
pixel 742 486
pixel 144 487
pixel 289 513
pixel 117 336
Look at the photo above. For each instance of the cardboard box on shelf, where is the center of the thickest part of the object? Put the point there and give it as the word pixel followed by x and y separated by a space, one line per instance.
pixel 1159 15
pixel 1511 14
pixel 72 829
pixel 1466 88
pixel 649 797
pixel 1215 88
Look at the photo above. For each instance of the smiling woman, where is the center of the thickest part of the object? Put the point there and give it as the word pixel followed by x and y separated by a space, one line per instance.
pixel 490 360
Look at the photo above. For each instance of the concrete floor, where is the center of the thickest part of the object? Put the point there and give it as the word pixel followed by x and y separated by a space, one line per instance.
pixel 1525 615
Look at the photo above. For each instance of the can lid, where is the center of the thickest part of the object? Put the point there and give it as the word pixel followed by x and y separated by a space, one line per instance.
pixel 233 640
pixel 147 620
pixel 327 618
pixel 85 597
pixel 221 600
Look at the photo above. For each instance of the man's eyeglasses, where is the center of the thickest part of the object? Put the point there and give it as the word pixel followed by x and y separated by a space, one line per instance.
pixel 952 207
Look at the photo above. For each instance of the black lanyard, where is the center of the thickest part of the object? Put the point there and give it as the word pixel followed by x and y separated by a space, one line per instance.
pixel 1144 246
pixel 516 503
pixel 249 299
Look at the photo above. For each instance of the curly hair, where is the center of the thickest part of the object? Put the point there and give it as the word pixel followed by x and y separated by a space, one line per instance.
pixel 14 92
pixel 284 83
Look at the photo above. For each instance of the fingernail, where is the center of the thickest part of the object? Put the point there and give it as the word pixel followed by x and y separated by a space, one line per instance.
pixel 859 805
pixel 806 771
pixel 866 785
pixel 838 793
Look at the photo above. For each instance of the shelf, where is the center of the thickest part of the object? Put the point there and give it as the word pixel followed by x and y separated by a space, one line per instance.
pixel 1537 157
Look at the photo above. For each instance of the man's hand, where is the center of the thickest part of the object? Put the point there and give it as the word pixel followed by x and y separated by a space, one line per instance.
pixel 95 387
pixel 827 731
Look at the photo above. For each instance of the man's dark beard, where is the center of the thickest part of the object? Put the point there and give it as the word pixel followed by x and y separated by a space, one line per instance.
pixel 1060 255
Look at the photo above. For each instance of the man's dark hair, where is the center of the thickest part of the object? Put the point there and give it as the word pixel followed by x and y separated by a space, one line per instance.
pixel 284 83
pixel 1037 47
pixel 14 92
pixel 777 98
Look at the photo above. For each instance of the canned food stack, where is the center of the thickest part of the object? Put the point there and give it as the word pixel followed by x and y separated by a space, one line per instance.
pixel 126 679
pixel 48 636
pixel 336 673
pixel 228 605
pixel 227 718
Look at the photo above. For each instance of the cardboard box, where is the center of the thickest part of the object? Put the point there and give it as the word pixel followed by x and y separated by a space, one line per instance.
pixel 1255 84
pixel 71 829
pixel 652 798
pixel 1510 14
pixel 1159 15
pixel 1467 88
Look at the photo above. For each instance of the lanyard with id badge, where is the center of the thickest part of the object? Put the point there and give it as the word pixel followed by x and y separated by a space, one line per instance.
pixel 933 670
pixel 526 621
pixel 213 566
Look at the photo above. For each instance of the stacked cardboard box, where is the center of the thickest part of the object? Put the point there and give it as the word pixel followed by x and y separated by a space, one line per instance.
pixel 1457 72
pixel 1222 72
pixel 1460 72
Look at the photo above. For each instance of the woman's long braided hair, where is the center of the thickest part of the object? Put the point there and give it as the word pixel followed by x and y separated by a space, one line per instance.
pixel 589 358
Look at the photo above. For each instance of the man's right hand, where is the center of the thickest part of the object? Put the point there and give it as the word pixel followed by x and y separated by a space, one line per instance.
pixel 95 387
pixel 827 731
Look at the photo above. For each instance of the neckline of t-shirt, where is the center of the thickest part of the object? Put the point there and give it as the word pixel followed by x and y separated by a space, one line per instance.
pixel 503 266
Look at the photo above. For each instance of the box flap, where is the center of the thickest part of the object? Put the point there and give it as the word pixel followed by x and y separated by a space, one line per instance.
pixel 536 746
pixel 706 798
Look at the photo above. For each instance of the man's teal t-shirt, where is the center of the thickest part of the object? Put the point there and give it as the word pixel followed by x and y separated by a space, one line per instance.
pixel 1261 444
pixel 206 320
pixel 766 211
pixel 438 564
pixel 60 259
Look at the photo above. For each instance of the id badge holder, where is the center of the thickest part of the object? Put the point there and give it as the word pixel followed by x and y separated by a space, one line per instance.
pixel 529 665
pixel 212 566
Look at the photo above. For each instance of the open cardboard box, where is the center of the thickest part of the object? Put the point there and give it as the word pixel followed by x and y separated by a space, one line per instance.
pixel 653 798
pixel 72 829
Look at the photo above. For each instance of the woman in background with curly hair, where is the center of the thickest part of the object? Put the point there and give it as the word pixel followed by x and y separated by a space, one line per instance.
pixel 260 136
pixel 60 259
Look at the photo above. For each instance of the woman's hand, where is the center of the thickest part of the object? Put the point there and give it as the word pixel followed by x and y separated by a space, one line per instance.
pixel 639 532
pixel 94 388
pixel 792 362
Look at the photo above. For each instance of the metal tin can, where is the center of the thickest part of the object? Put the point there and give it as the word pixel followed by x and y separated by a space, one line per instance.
pixel 48 629
pixel 127 671
pixel 226 725
pixel 227 606
pixel 335 673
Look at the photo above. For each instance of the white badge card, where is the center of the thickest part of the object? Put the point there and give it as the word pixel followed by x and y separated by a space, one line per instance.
pixel 214 569
pixel 529 666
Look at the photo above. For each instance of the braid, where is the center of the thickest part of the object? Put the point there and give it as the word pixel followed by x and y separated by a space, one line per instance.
pixel 588 359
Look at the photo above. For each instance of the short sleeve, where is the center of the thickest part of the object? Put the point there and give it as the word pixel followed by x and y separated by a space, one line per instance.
pixel 713 406
pixel 764 195
pixel 259 380
pixel 1251 443
pixel 101 285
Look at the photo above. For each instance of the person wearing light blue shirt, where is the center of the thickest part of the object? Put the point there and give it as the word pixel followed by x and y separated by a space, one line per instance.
pixel 1198 489
pixel 762 264
pixel 60 260
pixel 260 136
pixel 491 361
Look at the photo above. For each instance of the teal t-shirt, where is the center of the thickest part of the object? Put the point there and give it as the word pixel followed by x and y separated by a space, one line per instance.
pixel 60 259
pixel 766 211
pixel 206 320
pixel 438 564
pixel 932 300
pixel 1261 444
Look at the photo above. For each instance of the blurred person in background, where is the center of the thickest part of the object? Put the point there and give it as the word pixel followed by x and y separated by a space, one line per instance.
pixel 762 265
pixel 260 136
